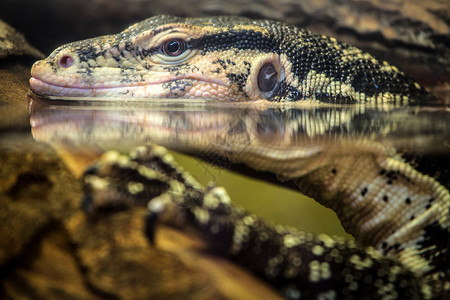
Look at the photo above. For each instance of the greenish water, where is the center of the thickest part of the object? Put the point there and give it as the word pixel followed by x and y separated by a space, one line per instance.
pixel 278 204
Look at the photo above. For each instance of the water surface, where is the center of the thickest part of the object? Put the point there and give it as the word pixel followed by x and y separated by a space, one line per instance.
pixel 213 132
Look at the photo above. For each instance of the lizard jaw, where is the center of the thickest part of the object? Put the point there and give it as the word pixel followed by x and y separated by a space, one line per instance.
pixel 108 82
pixel 172 88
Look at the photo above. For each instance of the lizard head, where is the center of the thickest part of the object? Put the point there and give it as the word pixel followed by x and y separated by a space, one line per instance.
pixel 169 57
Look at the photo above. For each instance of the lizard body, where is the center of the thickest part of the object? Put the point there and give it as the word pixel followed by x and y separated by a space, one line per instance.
pixel 383 201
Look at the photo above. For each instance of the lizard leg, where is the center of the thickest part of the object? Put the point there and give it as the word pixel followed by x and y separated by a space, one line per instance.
pixel 299 264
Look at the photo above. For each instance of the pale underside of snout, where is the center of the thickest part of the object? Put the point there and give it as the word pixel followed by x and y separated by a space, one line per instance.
pixel 176 88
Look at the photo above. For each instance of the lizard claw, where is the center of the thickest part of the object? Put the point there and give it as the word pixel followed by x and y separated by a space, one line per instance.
pixel 155 208
pixel 87 204
pixel 150 227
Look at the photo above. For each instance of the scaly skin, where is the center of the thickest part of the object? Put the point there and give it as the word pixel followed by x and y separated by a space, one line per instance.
pixel 226 58
pixel 222 58
pixel 301 265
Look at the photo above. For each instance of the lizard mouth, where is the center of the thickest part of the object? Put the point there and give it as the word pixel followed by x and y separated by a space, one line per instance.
pixel 45 82
pixel 172 87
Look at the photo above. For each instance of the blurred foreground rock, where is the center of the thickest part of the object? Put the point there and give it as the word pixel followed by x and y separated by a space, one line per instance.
pixel 49 249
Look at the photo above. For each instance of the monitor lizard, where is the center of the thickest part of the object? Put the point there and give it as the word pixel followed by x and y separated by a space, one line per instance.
pixel 398 215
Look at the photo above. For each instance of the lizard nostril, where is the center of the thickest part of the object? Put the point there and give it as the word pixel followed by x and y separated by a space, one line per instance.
pixel 66 61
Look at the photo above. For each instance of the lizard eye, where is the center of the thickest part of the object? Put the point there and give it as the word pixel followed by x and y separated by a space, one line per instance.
pixel 174 47
pixel 171 49
pixel 267 77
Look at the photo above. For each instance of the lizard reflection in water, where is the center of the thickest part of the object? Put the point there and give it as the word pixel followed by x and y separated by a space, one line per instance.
pixel 379 197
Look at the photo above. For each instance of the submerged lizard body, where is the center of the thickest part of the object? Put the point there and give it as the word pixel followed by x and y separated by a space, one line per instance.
pixel 383 201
